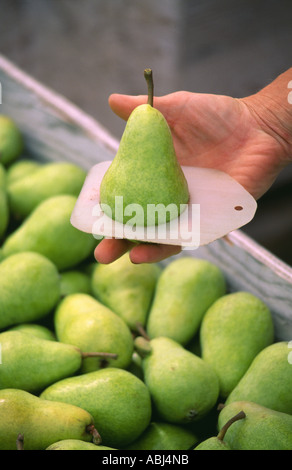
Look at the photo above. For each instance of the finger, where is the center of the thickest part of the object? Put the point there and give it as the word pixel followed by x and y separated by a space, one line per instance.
pixel 110 249
pixel 148 253
pixel 123 105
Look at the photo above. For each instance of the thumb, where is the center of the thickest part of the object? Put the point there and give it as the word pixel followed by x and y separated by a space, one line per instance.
pixel 123 105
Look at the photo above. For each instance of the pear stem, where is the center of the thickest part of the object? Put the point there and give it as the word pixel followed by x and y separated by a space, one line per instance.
pixel 226 426
pixel 99 354
pixel 141 331
pixel 95 434
pixel 149 79
pixel 20 442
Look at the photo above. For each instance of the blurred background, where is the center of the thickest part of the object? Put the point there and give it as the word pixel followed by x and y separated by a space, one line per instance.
pixel 90 49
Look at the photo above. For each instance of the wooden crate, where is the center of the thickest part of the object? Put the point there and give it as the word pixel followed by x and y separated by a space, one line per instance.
pixel 54 129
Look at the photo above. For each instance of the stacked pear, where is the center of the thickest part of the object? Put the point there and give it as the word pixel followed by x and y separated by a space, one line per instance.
pixel 183 387
pixel 4 204
pixel 29 288
pixel 28 188
pixel 48 231
pixel 261 429
pixel 11 141
pixel 119 402
pixel 126 288
pixel 234 330
pixel 84 322
pixel 268 380
pixel 41 422
pixel 185 290
pixel 31 363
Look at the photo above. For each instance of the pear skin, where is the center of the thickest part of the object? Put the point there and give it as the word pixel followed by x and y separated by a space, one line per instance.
pixel 268 380
pixel 262 429
pixel 183 387
pixel 234 330
pixel 145 170
pixel 119 402
pixel 126 288
pixel 41 422
pixel 36 281
pixel 48 180
pixel 164 436
pixel 186 288
pixel 11 141
pixel 76 444
pixel 31 364
pixel 48 231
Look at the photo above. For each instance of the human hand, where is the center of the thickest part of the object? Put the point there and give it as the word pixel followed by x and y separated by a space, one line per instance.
pixel 210 131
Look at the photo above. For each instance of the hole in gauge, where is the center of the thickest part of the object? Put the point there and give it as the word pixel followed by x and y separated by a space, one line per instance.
pixel 238 208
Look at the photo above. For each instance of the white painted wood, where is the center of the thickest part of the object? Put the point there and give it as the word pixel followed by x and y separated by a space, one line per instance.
pixel 55 129
pixel 218 205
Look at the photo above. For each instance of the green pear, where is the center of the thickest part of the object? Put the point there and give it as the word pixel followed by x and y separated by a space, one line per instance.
pixel 34 329
pixel 75 281
pixel 3 176
pixel 48 231
pixel 98 329
pixel 233 331
pixel 126 288
pixel 145 171
pixel 268 380
pixel 164 436
pixel 183 387
pixel 119 402
pixel 41 422
pixel 76 444
pixel 262 429
pixel 71 305
pixel 217 442
pixel 30 363
pixel 185 290
pixel 29 288
pixel 50 179
pixel 4 212
pixel 11 140
pixel 20 169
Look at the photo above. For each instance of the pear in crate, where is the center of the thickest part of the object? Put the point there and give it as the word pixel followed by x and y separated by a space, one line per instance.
pixel 11 141
pixel 30 363
pixel 126 288
pixel 48 180
pixel 29 288
pixel 268 380
pixel 76 444
pixel 35 329
pixel 145 169
pixel 98 329
pixel 21 168
pixel 75 281
pixel 234 330
pixel 119 402
pixel 261 429
pixel 48 231
pixel 217 442
pixel 164 436
pixel 185 290
pixel 183 387
pixel 41 422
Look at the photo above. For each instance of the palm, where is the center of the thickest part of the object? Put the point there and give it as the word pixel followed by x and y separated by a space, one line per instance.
pixel 208 131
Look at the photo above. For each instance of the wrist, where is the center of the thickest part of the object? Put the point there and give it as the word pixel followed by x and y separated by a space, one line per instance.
pixel 272 108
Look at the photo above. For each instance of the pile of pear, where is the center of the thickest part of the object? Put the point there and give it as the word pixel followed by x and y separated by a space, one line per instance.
pixel 159 356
